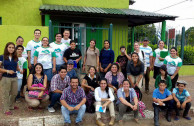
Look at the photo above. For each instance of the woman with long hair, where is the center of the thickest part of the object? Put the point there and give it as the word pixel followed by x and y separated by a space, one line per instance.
pixel 37 82
pixel 106 58
pixel 91 57
pixel 104 97
pixel 163 76
pixel 135 71
pixel 89 83
pixel 173 63
pixel 9 85
pixel 114 77
pixel 47 57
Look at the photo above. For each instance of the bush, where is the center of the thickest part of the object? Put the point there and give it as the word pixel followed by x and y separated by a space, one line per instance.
pixel 188 54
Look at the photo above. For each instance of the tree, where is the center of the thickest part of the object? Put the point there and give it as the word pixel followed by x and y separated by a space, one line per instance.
pixel 189 36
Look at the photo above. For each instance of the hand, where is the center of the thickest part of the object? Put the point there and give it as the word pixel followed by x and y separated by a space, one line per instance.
pixel 10 71
pixel 172 77
pixel 101 69
pixel 105 70
pixel 21 71
pixel 40 94
pixel 70 108
pixel 83 68
pixel 134 108
pixel 77 60
pixel 29 66
pixel 92 88
pixel 160 58
pixel 136 84
pixel 115 89
pixel 144 72
pixel 54 70
pixel 104 106
pixel 41 88
pixel 178 104
pixel 77 107
pixel 97 69
pixel 151 68
pixel 160 103
pixel 183 105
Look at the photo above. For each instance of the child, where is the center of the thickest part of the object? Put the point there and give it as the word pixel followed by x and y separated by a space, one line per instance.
pixel 162 98
pixel 182 99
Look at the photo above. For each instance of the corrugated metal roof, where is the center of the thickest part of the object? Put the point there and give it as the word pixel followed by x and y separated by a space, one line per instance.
pixel 95 10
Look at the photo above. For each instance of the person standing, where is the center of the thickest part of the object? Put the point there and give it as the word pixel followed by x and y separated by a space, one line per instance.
pixel 74 54
pixel 73 101
pixel 59 49
pixel 173 63
pixel 31 47
pixel 106 58
pixel 59 82
pixel 22 62
pixel 9 85
pixel 148 56
pixel 158 59
pixel 66 40
pixel 91 57
pixel 47 57
pixel 123 60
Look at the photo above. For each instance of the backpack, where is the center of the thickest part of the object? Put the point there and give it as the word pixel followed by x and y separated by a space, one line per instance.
pixel 141 108
pixel 138 93
pixel 142 54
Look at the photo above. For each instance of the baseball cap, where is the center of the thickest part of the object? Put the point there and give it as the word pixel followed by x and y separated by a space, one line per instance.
pixel 70 61
pixel 146 39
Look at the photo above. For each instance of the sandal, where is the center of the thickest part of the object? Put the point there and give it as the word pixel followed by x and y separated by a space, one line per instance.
pixel 8 113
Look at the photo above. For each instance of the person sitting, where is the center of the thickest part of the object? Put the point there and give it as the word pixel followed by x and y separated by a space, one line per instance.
pixel 89 83
pixel 162 99
pixel 58 83
pixel 70 71
pixel 127 101
pixel 163 76
pixel 182 100
pixel 104 97
pixel 114 77
pixel 37 82
pixel 73 101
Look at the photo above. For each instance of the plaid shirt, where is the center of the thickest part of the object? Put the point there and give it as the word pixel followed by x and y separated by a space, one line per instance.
pixel 58 83
pixel 73 98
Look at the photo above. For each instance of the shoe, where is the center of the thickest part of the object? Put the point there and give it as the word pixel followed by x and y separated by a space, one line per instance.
pixel 99 122
pixel 137 121
pixel 51 109
pixel 168 117
pixel 14 108
pixel 187 117
pixel 112 121
pixel 176 118
pixel 120 123
pixel 67 124
pixel 8 113
pixel 79 124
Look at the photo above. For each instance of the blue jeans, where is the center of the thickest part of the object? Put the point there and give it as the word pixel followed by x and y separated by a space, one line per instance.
pixel 58 67
pixel 19 88
pixel 54 98
pixel 48 73
pixel 80 113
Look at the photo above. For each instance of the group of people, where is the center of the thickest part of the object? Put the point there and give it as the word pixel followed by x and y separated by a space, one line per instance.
pixel 55 75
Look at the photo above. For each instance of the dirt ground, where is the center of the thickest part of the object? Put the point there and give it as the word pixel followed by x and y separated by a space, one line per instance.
pixel 147 99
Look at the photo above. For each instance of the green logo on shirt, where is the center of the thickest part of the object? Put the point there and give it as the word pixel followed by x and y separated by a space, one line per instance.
pixel 46 51
pixel 35 47
pixel 172 63
pixel 58 50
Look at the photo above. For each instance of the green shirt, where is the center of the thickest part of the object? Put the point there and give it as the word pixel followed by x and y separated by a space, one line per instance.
pixel 168 82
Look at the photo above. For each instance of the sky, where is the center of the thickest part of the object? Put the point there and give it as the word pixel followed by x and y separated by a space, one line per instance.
pixel 184 11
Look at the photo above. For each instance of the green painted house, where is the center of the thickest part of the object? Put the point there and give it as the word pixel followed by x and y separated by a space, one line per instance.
pixel 86 19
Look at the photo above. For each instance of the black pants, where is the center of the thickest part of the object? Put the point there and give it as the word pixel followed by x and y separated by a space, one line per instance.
pixel 147 79
pixel 174 80
pixel 186 111
pixel 156 71
pixel 157 108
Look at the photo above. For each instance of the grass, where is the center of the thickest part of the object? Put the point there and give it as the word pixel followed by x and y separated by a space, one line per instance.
pixel 185 70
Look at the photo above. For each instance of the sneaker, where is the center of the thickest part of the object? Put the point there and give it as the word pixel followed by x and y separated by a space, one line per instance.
pixel 187 117
pixel 176 118
pixel 51 109
pixel 99 123
pixel 112 121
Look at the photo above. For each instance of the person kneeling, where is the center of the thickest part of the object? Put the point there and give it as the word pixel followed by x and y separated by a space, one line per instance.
pixel 58 83
pixel 73 101
pixel 180 102
pixel 162 99
pixel 104 97
pixel 127 101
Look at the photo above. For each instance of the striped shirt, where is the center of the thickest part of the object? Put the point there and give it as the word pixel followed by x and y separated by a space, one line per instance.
pixel 58 83
pixel 73 98
pixel 148 52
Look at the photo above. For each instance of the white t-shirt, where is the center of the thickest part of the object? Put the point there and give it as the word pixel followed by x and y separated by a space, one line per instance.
pixel 172 64
pixel 24 53
pixel 45 56
pixel 99 94
pixel 32 46
pixel 22 62
pixel 59 50
pixel 156 54
pixel 148 52
pixel 66 42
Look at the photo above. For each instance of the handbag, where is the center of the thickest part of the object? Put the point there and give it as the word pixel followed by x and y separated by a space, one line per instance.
pixel 1 74
pixel 34 94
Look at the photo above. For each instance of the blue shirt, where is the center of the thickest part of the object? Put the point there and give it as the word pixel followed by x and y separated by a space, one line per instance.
pixel 158 95
pixel 72 73
pixel 106 57
pixel 181 97
pixel 121 94
pixel 9 65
